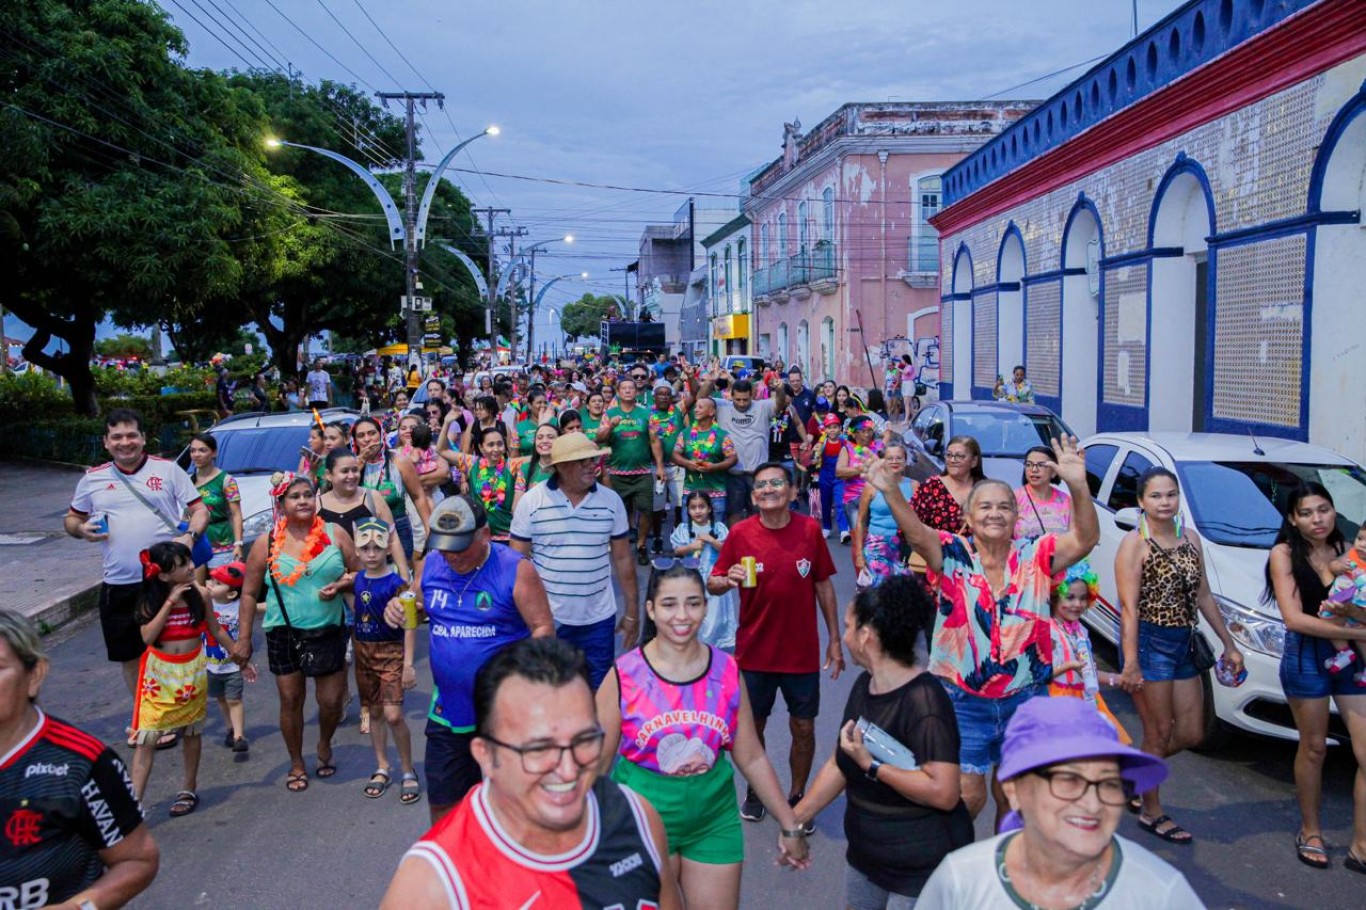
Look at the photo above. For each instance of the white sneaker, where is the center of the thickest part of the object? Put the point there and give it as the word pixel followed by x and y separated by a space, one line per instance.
pixel 844 536
pixel 825 532
pixel 1340 661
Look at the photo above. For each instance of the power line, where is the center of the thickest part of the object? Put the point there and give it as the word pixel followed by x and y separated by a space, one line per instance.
pixel 391 44
pixel 364 50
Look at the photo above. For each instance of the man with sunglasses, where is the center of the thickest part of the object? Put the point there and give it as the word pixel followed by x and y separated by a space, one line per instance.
pixel 543 829
pixel 777 644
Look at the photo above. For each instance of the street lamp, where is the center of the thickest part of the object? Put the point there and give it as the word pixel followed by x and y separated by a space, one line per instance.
pixel 531 291
pixel 535 304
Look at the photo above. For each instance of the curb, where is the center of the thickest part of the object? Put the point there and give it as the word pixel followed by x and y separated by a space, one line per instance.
pixel 60 613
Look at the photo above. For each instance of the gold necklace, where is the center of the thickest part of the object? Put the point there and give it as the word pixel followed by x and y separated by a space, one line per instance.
pixel 1093 882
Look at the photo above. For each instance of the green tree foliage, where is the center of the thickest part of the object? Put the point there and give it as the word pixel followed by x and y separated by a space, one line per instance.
pixel 583 318
pixel 127 177
pixel 124 346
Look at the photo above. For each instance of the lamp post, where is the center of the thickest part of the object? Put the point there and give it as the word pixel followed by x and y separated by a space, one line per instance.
pixel 531 291
pixel 535 304
pixel 413 233
pixel 552 315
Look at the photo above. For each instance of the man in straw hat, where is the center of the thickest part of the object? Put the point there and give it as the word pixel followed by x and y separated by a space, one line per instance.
pixel 575 532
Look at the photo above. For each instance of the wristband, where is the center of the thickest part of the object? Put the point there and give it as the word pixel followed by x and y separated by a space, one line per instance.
pixel 798 831
pixel 630 619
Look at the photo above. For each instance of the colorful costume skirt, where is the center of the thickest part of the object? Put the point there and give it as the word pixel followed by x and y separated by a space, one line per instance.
pixel 172 693
pixel 885 556
pixel 1055 690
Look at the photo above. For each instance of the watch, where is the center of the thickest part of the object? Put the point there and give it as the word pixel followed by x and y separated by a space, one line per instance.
pixel 871 773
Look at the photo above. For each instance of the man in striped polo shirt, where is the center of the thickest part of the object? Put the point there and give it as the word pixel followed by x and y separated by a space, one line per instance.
pixel 574 530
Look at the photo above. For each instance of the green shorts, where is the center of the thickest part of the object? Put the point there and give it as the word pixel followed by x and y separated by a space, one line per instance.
pixel 699 812
pixel 637 491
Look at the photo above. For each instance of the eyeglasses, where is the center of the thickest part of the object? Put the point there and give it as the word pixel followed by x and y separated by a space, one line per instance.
pixel 586 748
pixel 663 563
pixel 776 483
pixel 957 456
pixel 1035 465
pixel 1064 785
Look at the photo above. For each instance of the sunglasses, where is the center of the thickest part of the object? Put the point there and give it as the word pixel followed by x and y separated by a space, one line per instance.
pixel 664 563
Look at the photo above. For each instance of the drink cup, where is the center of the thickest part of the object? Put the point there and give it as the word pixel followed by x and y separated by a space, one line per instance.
pixel 751 567
pixel 409 601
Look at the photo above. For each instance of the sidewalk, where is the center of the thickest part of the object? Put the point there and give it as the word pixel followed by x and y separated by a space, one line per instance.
pixel 44 574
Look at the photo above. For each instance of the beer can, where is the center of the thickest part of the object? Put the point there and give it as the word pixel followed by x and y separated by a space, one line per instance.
pixel 409 601
pixel 751 567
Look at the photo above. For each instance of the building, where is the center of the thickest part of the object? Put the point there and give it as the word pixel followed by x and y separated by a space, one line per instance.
pixel 728 287
pixel 694 318
pixel 668 255
pixel 1174 241
pixel 843 256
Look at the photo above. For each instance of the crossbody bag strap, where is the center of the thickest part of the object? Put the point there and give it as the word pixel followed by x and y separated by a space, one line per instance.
pixel 1042 530
pixel 128 484
pixel 275 585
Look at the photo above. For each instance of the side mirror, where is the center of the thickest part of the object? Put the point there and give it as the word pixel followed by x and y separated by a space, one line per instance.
pixel 933 446
pixel 1127 519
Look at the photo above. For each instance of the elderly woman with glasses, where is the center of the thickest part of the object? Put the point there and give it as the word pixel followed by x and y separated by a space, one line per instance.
pixel 1043 508
pixel 1067 778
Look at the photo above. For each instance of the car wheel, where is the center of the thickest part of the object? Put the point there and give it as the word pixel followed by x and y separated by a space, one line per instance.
pixel 1217 736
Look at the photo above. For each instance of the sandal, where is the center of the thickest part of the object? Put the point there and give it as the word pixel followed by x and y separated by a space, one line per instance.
pixel 1312 856
pixel 325 769
pixel 378 783
pixel 1351 862
pixel 364 722
pixel 1134 805
pixel 167 740
pixel 186 801
pixel 409 791
pixel 297 781
pixel 1172 835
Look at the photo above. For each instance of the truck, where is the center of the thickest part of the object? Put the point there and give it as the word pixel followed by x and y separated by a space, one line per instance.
pixel 619 337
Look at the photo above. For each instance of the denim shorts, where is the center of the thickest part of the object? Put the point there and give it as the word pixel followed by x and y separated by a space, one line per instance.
pixel 982 724
pixel 597 641
pixel 1164 652
pixel 1303 674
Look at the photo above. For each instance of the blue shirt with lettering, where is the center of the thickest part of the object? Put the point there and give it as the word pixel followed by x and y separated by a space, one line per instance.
pixel 370 597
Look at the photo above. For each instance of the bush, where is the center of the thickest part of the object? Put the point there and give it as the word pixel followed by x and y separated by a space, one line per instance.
pixel 32 396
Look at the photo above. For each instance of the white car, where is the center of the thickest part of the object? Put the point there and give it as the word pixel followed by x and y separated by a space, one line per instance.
pixel 1233 492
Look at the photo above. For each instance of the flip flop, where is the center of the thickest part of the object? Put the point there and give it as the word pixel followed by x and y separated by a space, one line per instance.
pixel 409 791
pixel 1312 856
pixel 1351 862
pixel 378 783
pixel 297 781
pixel 325 769
pixel 1172 835
pixel 186 801
pixel 1134 805
pixel 167 740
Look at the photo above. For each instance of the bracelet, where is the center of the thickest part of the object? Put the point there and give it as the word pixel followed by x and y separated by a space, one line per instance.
pixel 798 831
pixel 237 543
pixel 632 619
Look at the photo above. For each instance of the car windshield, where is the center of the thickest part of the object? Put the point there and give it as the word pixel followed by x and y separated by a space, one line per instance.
pixel 1008 434
pixel 1240 503
pixel 260 450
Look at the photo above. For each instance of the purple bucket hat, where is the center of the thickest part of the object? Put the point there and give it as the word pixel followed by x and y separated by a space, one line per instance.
pixel 1047 731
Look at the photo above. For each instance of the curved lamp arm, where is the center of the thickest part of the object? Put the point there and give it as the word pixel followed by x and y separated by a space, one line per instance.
pixel 424 209
pixel 469 264
pixel 386 202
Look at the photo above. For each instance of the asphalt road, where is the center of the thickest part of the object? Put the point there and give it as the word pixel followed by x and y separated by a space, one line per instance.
pixel 253 844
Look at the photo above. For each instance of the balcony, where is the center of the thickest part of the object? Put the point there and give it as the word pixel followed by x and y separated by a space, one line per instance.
pixel 797 276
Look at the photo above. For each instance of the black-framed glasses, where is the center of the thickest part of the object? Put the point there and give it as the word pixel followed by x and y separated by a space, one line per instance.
pixel 1035 465
pixel 1070 787
pixel 664 563
pixel 542 758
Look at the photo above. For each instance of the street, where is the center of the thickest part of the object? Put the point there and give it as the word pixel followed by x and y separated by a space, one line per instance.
pixel 252 844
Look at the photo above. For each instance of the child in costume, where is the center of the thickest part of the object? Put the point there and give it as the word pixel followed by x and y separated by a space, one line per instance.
pixel 1348 587
pixel 1074 661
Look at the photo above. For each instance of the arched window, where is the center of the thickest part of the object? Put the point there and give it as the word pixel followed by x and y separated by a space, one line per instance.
pixel 782 236
pixel 828 214
pixel 929 195
pixel 742 271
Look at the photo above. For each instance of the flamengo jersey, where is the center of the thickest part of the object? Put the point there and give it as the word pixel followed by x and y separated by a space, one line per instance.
pixel 614 867
pixel 64 796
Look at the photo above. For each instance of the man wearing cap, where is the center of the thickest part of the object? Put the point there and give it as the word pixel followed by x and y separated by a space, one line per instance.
pixel 575 531
pixel 479 598
pixel 636 462
pixel 1067 778
pixel 666 422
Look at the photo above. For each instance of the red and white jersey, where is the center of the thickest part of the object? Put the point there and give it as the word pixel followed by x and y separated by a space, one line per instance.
pixel 614 867
pixel 132 526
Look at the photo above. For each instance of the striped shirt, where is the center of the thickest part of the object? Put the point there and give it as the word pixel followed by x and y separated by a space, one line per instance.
pixel 571 548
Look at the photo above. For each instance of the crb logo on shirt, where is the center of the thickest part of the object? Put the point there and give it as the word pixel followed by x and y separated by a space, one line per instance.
pixel 29 896
pixel 46 768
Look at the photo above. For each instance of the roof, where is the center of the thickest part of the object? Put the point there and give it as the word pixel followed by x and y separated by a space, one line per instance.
pixel 1229 447
pixel 730 226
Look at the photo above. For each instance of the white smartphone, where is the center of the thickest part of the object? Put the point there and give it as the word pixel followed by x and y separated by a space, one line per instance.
pixel 885 747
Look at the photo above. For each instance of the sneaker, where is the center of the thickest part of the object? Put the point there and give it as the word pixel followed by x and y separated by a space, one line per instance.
pixel 658 545
pixel 1340 661
pixel 810 827
pixel 752 810
pixel 228 740
pixel 240 744
pixel 642 557
pixel 844 537
pixel 825 532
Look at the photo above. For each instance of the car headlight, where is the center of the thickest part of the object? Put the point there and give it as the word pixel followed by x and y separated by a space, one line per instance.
pixel 256 525
pixel 1252 628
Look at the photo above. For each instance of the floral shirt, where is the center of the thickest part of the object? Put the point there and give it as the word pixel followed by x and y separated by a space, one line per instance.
pixel 988 646
pixel 1038 517
pixel 936 507
pixel 216 495
pixel 712 445
pixel 495 485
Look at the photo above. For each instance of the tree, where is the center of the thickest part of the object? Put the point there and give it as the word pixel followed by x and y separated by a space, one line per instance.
pixel 583 318
pixel 126 176
pixel 124 347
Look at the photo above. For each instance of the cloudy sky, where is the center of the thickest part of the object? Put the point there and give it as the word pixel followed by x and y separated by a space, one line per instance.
pixel 666 98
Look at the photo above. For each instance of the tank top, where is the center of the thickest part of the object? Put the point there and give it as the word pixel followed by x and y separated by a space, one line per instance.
pixel 385 479
pixel 179 626
pixel 348 518
pixel 483 868
pixel 1169 584
pixel 677 728
pixel 306 609
pixel 880 518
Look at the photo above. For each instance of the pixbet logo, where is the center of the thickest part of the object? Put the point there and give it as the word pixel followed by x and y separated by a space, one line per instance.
pixel 46 768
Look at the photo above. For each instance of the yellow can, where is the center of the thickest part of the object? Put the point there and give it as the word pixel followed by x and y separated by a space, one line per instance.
pixel 409 601
pixel 751 567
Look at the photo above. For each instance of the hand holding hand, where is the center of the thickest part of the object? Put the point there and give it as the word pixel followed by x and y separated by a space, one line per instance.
pixel 1131 680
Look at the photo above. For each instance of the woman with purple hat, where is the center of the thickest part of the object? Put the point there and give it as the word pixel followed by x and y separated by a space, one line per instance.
pixel 1067 778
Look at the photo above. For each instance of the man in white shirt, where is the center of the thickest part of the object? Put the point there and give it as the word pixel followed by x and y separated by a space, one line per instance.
pixel 746 419
pixel 319 383
pixel 574 530
pixel 126 505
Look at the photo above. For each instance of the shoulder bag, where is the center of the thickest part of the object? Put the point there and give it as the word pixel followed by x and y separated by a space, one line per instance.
pixel 201 552
pixel 316 652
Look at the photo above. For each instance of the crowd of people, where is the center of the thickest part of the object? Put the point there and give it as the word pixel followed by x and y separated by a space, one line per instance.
pixel 584 730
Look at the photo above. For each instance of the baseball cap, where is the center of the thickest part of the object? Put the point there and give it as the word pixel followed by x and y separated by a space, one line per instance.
pixel 573 447
pixel 231 574
pixel 454 522
pixel 1047 731
pixel 661 385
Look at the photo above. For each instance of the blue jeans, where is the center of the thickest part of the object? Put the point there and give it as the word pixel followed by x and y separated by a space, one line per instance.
pixel 982 724
pixel 597 641
pixel 1164 652
pixel 1303 674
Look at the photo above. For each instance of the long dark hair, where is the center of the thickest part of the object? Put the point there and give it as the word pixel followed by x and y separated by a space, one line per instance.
pixel 711 511
pixel 899 611
pixel 1306 577
pixel 165 556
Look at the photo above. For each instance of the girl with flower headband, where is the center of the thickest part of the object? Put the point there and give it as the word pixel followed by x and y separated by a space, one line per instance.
pixel 1074 661
pixel 297 571
pixel 173 679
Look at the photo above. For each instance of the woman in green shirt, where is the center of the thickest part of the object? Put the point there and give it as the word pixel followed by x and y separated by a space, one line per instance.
pixel 219 492
pixel 491 478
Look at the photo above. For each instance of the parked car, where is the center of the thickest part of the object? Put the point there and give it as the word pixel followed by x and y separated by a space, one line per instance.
pixel 251 447
pixel 1233 492
pixel 1005 431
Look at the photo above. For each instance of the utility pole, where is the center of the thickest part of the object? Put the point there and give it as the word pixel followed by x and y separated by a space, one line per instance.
pixel 512 234
pixel 410 260
pixel 491 317
pixel 531 310
pixel 625 291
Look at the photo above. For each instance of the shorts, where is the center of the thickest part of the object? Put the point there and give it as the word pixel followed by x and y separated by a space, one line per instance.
pixel 450 767
pixel 672 493
pixel 1164 652
pixel 284 658
pixel 226 685
pixel 982 724
pixel 637 491
pixel 118 621
pixel 597 641
pixel 861 894
pixel 699 811
pixel 801 692
pixel 740 492
pixel 1303 674
pixel 379 672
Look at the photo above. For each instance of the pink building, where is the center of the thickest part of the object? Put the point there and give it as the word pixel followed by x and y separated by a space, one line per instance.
pixel 843 252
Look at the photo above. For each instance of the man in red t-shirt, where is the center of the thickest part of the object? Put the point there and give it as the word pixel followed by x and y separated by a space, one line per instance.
pixel 777 645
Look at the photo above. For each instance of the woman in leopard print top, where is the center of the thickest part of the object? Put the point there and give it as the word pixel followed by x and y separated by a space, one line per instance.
pixel 1160 574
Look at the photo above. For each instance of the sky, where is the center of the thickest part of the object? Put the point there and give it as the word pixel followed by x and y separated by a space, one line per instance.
pixel 674 98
